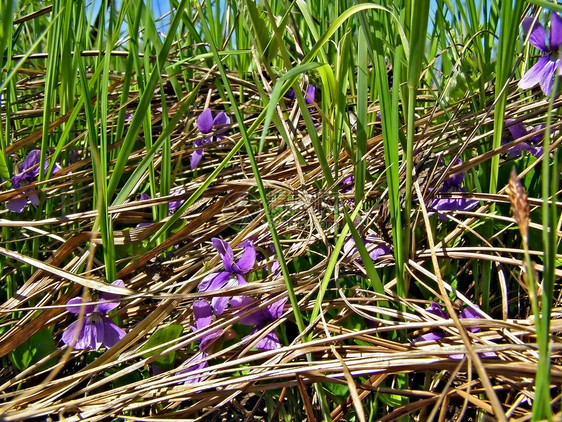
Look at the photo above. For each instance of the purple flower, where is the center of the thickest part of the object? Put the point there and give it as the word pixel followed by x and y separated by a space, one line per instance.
pixel 452 185
pixel 203 317
pixel 470 312
pixel 347 184
pixel 174 205
pixel 543 71
pixel 374 245
pixel 27 174
pixel 197 362
pixel 518 131
pixel 96 328
pixel 263 317
pixel 232 274
pixel 310 95
pixel 206 124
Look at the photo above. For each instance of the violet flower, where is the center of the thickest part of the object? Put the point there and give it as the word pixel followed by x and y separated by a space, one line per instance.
pixel 544 69
pixel 263 317
pixel 467 313
pixel 518 131
pixel 452 185
pixel 197 362
pixel 374 245
pixel 309 95
pixel 203 317
pixel 172 205
pixel 232 274
pixel 28 172
pixel 206 124
pixel 347 184
pixel 96 327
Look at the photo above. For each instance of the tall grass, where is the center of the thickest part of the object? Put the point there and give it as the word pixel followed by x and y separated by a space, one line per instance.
pixel 366 161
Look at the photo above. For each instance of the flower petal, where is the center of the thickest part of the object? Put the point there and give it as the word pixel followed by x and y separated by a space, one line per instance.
pixel 536 151
pixel 17 204
pixel 555 36
pixel 275 310
pixel 98 332
pixel 534 74
pixel 31 162
pixel 111 332
pixel 517 130
pixel 214 281
pixel 203 313
pixel 376 251
pixel 269 342
pixel 435 309
pixel 248 258
pixel 238 301
pixel 70 335
pixel 433 336
pixel 74 308
pixel 105 308
pixel 205 121
pixel 537 35
pixel 85 338
pixel 547 76
pixel 221 119
pixel 219 303
pixel 196 157
pixel 310 94
pixel 225 252
pixel 33 198
pixel 198 362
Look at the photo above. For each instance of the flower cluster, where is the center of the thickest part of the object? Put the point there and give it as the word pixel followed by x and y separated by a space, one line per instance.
pixel 28 172
pixel 203 311
pixel 206 124
pixel 96 329
pixel 232 276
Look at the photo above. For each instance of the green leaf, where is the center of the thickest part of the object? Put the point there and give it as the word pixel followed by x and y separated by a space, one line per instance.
pixel 33 350
pixel 163 336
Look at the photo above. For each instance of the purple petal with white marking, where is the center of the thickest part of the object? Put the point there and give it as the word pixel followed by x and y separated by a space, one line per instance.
pixel 547 77
pixel 536 73
pixel 217 282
